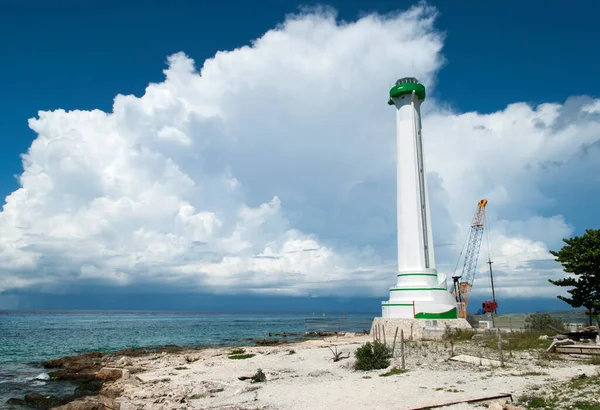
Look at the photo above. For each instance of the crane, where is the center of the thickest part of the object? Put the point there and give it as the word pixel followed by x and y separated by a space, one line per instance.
pixel 464 283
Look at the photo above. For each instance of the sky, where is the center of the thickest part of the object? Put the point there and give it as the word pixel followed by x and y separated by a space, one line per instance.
pixel 244 151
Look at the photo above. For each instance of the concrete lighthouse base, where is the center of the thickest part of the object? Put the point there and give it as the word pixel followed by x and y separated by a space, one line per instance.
pixel 415 329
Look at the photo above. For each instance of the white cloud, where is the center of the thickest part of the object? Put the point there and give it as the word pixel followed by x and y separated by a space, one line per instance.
pixel 271 170
pixel 593 108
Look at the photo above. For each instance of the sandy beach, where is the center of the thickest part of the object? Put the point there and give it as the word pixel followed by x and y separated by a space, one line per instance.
pixel 302 375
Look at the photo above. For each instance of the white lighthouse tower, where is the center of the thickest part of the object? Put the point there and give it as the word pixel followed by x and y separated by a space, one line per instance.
pixel 420 292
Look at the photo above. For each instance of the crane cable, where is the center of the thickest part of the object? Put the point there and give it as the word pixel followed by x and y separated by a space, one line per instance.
pixel 463 249
pixel 487 236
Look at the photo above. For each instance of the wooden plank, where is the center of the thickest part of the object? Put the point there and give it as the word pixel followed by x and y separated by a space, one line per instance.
pixel 508 397
pixel 579 349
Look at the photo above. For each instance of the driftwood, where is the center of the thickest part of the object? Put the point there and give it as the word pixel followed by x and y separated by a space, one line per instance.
pixel 258 377
pixel 337 356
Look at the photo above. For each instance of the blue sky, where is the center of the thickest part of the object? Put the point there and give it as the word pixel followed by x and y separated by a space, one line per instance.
pixel 80 55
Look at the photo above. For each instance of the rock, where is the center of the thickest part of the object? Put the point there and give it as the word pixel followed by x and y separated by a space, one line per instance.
pixel 124 361
pixel 111 391
pixel 502 405
pixel 81 360
pixel 87 388
pixel 38 401
pixel 109 374
pixel 495 405
pixel 86 404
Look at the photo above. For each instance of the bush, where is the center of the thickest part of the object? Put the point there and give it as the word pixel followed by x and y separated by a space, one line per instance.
pixel 540 322
pixel 371 356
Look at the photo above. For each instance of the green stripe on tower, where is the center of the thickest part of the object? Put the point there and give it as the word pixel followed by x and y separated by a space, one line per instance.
pixel 397 290
pixel 417 274
pixel 397 304
pixel 450 314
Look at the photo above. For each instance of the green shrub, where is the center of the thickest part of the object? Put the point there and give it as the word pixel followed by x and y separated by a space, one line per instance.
pixel 371 356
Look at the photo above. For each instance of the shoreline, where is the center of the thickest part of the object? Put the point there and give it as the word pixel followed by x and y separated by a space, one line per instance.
pixel 84 373
pixel 302 375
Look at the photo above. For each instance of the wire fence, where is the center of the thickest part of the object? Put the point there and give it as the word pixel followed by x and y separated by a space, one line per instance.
pixel 350 325
pixel 573 319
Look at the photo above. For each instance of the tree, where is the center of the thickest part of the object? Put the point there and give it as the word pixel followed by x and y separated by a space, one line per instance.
pixel 580 258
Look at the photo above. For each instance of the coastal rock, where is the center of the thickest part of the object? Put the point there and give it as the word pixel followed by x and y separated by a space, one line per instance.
pixel 109 374
pixel 75 362
pixel 88 404
pixel 38 401
pixel 124 361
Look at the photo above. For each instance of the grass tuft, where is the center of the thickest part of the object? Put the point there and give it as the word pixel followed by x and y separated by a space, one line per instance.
pixel 538 402
pixel 456 335
pixel 595 360
pixel 393 371
pixel 514 341
pixel 241 356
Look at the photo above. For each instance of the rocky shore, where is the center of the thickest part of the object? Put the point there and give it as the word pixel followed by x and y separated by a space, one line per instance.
pixel 304 375
pixel 92 374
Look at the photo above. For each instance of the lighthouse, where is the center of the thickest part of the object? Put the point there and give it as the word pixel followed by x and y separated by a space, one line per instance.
pixel 420 292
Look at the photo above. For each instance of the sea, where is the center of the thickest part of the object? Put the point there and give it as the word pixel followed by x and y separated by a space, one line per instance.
pixel 29 338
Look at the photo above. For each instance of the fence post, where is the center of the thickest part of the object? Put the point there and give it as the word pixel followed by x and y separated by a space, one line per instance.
pixel 394 344
pixel 402 348
pixel 384 341
pixel 500 348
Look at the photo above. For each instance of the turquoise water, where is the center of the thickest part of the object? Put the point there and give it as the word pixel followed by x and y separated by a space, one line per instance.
pixel 27 338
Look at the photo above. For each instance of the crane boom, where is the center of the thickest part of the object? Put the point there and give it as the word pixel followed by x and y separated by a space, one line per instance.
pixel 464 283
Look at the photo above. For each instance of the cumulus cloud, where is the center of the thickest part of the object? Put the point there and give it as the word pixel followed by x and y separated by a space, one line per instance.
pixel 271 169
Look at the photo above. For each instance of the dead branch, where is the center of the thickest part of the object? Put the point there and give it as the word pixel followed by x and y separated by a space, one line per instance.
pixel 337 356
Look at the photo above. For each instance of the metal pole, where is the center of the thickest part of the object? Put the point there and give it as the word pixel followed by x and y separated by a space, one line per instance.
pixel 492 280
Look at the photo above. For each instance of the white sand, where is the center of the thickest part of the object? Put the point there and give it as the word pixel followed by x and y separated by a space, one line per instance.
pixel 308 379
